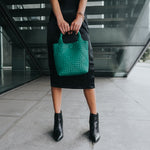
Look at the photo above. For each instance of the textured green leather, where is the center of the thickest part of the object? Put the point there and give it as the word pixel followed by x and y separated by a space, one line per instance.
pixel 71 58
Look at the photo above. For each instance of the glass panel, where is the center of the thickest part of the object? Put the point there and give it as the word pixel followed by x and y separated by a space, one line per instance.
pixel 119 31
pixel 146 57
pixel 117 60
pixel 17 67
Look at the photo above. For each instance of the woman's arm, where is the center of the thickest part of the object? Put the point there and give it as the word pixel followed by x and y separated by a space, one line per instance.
pixel 62 24
pixel 76 24
pixel 56 9
pixel 81 8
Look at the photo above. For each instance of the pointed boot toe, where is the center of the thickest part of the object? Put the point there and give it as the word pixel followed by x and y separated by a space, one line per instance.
pixel 58 136
pixel 95 138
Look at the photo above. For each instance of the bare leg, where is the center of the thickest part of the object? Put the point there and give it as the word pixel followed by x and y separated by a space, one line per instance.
pixel 91 99
pixel 56 96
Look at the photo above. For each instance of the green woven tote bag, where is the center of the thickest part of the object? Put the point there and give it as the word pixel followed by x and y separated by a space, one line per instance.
pixel 71 58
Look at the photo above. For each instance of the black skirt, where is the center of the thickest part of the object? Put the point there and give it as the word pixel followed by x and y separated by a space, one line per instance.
pixel 85 81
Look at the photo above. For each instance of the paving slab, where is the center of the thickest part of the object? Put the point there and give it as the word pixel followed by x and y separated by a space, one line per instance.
pixel 24 95
pixel 123 134
pixel 15 107
pixel 5 123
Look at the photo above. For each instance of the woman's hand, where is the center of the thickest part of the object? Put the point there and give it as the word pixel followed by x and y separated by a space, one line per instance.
pixel 63 25
pixel 76 24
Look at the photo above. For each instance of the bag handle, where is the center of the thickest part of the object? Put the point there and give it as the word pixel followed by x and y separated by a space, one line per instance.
pixel 61 40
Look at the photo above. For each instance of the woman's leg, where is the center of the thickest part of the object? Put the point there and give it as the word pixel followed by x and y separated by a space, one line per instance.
pixel 94 115
pixel 91 99
pixel 58 118
pixel 56 96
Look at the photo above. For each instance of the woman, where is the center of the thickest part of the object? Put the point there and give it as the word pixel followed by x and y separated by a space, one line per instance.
pixel 67 16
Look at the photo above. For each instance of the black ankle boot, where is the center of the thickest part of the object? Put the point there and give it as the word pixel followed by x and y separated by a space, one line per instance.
pixel 94 127
pixel 58 126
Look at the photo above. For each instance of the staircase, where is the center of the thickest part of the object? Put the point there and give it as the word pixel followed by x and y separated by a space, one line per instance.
pixel 118 30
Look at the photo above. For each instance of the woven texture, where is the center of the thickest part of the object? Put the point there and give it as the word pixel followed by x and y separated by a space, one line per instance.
pixel 71 58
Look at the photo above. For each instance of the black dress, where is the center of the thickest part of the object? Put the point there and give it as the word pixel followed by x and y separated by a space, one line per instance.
pixel 86 81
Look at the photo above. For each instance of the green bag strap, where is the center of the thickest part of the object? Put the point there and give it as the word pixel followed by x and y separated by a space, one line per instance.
pixel 61 40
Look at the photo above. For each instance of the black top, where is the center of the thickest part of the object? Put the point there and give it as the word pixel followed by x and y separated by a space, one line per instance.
pixel 69 5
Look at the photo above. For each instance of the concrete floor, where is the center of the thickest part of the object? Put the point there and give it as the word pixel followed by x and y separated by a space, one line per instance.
pixel 26 115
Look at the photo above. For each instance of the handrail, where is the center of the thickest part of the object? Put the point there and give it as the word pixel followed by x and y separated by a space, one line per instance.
pixel 11 23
